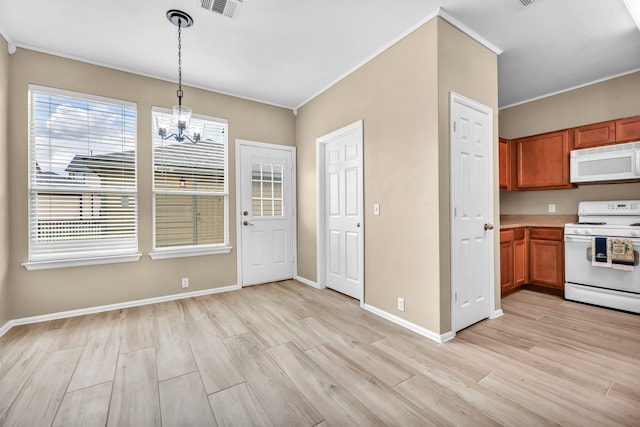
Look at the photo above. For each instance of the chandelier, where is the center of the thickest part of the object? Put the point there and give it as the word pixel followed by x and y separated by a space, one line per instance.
pixel 181 113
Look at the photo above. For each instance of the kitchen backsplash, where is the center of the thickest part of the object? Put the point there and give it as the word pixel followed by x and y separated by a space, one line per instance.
pixel 565 201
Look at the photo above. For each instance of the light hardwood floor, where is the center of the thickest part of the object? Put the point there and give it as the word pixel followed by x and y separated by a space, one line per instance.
pixel 285 354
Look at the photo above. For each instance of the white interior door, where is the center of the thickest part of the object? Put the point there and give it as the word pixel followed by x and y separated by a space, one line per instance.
pixel 472 211
pixel 266 212
pixel 342 213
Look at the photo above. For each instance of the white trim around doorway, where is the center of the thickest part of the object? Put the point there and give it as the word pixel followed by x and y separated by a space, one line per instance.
pixel 238 246
pixel 321 282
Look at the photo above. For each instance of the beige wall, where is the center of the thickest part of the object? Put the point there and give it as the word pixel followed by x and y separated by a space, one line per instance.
pixel 466 68
pixel 406 165
pixel 5 295
pixel 47 291
pixel 612 99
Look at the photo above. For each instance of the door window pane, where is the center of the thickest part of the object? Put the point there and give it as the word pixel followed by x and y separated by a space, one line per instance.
pixel 267 182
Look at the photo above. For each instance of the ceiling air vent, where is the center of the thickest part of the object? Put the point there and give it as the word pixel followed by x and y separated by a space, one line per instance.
pixel 228 8
pixel 527 2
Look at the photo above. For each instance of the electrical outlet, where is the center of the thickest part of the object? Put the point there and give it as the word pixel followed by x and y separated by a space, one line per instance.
pixel 400 304
pixel 185 282
pixel 552 207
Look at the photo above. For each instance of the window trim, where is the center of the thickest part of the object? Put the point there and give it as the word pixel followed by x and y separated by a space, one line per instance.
pixel 97 259
pixel 80 262
pixel 190 250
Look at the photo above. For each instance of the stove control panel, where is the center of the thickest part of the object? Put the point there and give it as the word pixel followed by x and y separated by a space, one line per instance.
pixel 612 207
pixel 622 207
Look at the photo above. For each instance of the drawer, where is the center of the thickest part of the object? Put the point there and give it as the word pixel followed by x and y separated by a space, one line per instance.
pixel 546 234
pixel 506 236
pixel 518 233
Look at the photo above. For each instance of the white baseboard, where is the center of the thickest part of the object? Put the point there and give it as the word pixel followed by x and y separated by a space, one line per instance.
pixel 496 313
pixel 408 325
pixel 5 328
pixel 109 307
pixel 308 282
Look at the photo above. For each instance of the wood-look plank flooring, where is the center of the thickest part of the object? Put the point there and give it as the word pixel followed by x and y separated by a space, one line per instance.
pixel 285 354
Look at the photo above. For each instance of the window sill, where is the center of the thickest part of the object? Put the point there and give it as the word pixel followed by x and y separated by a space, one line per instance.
pixel 80 262
pixel 182 253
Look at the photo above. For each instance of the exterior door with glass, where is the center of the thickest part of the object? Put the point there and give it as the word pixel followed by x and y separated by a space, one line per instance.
pixel 266 212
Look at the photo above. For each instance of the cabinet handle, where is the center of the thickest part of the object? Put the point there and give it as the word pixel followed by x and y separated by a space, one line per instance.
pixel 488 226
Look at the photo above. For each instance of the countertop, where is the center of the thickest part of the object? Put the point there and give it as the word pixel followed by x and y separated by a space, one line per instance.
pixel 513 221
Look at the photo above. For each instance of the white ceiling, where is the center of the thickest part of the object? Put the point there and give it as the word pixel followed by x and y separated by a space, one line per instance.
pixel 284 52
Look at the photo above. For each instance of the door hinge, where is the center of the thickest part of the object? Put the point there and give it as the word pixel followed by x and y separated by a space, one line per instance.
pixel 455 212
pixel 455 297
pixel 454 126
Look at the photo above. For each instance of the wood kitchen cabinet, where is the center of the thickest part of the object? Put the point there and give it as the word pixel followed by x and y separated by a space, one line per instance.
pixel 512 259
pixel 504 160
pixel 546 257
pixel 594 135
pixel 628 130
pixel 506 261
pixel 519 259
pixel 542 161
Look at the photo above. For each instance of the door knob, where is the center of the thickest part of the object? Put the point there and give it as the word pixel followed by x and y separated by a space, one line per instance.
pixel 245 213
pixel 488 226
pixel 246 223
pixel 358 225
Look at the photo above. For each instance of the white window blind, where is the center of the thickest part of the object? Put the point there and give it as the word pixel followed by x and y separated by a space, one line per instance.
pixel 190 187
pixel 83 195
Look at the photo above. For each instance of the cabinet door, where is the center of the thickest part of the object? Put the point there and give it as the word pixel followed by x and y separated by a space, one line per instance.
pixel 506 266
pixel 543 161
pixel 628 130
pixel 519 262
pixel 594 135
pixel 546 263
pixel 504 161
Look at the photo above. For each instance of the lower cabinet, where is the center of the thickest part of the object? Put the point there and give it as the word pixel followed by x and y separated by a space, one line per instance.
pixel 546 257
pixel 531 255
pixel 506 265
pixel 520 260
pixel 512 259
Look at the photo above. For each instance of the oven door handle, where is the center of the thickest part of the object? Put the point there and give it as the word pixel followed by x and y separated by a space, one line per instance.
pixel 568 238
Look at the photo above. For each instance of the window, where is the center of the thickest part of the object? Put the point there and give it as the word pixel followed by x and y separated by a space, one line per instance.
pixel 82 187
pixel 190 191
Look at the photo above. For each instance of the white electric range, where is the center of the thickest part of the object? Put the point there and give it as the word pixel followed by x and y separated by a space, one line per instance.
pixel 604 286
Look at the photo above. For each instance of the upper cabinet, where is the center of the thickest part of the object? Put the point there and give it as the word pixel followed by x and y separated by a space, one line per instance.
pixel 504 159
pixel 542 161
pixel 628 130
pixel 594 135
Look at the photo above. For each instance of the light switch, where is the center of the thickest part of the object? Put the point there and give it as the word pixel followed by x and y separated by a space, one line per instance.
pixel 376 208
pixel 552 207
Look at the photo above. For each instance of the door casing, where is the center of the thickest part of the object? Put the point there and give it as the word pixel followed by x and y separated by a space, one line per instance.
pixel 238 219
pixel 456 98
pixel 321 203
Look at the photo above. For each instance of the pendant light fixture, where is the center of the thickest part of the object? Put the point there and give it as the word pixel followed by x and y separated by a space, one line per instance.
pixel 181 113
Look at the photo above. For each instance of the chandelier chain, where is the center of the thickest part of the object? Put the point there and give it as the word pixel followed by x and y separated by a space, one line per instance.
pixel 179 61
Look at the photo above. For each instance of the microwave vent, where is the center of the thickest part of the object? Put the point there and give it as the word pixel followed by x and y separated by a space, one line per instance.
pixel 606 149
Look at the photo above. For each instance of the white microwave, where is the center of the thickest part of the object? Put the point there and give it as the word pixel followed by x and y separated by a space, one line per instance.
pixel 609 163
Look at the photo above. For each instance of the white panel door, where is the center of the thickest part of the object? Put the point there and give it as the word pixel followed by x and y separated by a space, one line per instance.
pixel 343 216
pixel 472 211
pixel 266 213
